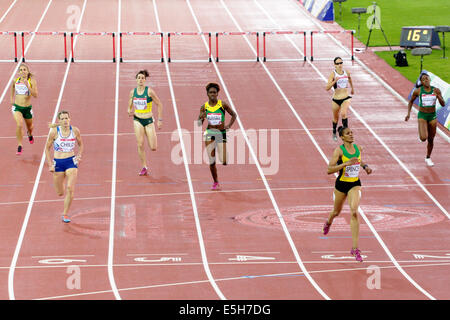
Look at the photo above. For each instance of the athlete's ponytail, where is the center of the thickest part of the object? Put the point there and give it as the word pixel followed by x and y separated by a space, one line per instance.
pixel 341 130
pixel 143 72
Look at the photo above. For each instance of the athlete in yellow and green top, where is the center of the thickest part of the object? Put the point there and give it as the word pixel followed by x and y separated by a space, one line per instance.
pixel 347 161
pixel 216 132
pixel 141 100
pixel 22 89
pixel 427 112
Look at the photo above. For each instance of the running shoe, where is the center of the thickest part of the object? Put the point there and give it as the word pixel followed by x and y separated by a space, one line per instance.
pixel 19 150
pixel 31 139
pixel 65 219
pixel 334 137
pixel 429 162
pixel 215 186
pixel 326 228
pixel 357 254
pixel 143 172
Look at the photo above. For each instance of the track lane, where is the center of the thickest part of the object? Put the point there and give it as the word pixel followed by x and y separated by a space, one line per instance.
pixel 82 96
pixel 390 171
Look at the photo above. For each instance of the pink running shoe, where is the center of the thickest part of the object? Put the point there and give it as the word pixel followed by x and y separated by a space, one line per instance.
pixel 326 228
pixel 357 254
pixel 31 139
pixel 143 172
pixel 215 186
pixel 19 150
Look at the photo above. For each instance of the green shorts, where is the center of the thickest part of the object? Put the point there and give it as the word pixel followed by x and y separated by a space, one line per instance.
pixel 426 116
pixel 144 122
pixel 26 111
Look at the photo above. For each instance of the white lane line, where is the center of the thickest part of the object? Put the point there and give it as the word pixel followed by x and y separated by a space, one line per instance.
pixel 326 160
pixel 156 254
pixel 240 278
pixel 191 132
pixel 114 171
pixel 41 166
pixel 188 174
pixel 7 11
pixel 258 166
pixel 329 187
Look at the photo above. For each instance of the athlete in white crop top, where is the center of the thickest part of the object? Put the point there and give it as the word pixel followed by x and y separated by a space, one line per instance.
pixel 23 88
pixel 339 79
pixel 63 138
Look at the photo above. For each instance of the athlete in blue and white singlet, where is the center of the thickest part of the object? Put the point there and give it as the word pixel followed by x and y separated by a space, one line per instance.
pixel 64 165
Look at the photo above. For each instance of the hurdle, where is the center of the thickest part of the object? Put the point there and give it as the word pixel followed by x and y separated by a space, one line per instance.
pixel 112 34
pixel 351 32
pixel 14 34
pixel 285 33
pixel 169 46
pixel 146 34
pixel 44 33
pixel 243 33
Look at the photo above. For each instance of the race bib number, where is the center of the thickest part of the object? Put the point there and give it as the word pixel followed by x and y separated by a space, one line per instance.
pixel 214 118
pixel 428 100
pixel 352 171
pixel 342 82
pixel 140 103
pixel 21 89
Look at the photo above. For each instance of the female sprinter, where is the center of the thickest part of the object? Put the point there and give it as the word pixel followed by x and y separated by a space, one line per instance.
pixel 63 138
pixel 347 160
pixel 339 79
pixel 22 88
pixel 215 135
pixel 427 112
pixel 142 98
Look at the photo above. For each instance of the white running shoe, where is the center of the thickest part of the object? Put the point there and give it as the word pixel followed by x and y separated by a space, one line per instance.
pixel 429 162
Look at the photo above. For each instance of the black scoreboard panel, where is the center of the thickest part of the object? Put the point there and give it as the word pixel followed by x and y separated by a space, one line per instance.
pixel 416 36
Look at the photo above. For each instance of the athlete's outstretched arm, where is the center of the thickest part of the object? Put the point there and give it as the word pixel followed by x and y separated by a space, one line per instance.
pixel 48 145
pixel 437 91
pixel 364 165
pixel 233 114
pixel 410 103
pixel 32 86
pixel 332 164
pixel 331 81
pixel 80 143
pixel 351 83
pixel 201 116
pixel 160 107
pixel 130 104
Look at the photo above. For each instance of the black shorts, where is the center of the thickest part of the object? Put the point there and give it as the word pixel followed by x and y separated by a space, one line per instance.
pixel 340 101
pixel 144 122
pixel 344 186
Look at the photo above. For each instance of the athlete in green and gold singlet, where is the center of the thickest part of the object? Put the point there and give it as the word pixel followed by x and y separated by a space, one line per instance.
pixel 347 161
pixel 141 100
pixel 22 89
pixel 216 132
pixel 427 112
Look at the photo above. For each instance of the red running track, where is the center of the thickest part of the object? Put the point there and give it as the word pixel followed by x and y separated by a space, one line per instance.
pixel 172 237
